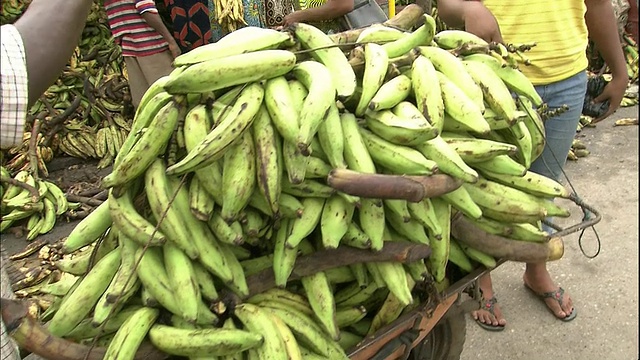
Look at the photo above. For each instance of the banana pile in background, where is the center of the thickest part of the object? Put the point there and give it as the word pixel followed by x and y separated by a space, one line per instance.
pixel 244 160
pixel 25 197
pixel 87 112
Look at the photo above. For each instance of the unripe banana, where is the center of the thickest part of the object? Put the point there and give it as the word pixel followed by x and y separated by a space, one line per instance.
pixel 89 229
pixel 203 342
pixel 356 154
pixel 257 320
pixel 334 222
pixel 131 224
pixel 320 296
pixel 278 99
pixel 303 226
pixel 501 164
pixel 376 63
pixel 478 150
pixel 427 92
pixel 238 177
pixel 440 246
pixel 379 34
pixel 453 69
pixel 147 148
pixel 128 338
pixel 331 138
pixel 412 130
pixel 391 93
pixel 183 280
pixel 79 303
pixel 259 39
pixel 397 158
pixel 220 139
pixel 231 70
pixel 447 159
pixel 460 107
pixel 514 79
pixel 340 71
pixel 371 215
pixel 317 78
pixel 201 202
pixel 451 39
pixel 284 257
pixel 494 91
pixel 421 36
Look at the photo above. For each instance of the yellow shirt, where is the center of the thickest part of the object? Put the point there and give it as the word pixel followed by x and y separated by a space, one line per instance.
pixel 556 26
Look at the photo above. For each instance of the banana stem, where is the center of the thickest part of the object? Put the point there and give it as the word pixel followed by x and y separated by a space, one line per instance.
pixel 33 151
pixel 35 196
pixel 500 247
pixel 396 251
pixel 33 337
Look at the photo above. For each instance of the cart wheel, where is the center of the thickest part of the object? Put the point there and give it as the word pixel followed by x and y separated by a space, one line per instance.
pixel 445 341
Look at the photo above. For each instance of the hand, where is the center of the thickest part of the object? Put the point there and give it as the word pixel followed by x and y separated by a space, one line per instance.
pixel 614 92
pixel 174 49
pixel 480 21
pixel 291 19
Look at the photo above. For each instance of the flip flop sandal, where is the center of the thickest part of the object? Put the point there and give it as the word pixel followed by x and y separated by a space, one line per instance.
pixel 489 305
pixel 557 295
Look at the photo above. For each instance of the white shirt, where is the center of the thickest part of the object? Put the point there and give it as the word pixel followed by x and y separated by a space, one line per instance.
pixel 13 87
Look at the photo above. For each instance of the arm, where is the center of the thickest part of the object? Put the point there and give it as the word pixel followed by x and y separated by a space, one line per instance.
pixel 473 16
pixel 48 44
pixel 149 13
pixel 603 31
pixel 328 11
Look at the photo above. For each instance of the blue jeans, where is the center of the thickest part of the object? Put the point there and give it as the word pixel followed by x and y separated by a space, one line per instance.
pixel 560 130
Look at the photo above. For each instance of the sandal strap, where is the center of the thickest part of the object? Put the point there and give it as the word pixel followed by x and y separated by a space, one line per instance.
pixel 557 295
pixel 489 305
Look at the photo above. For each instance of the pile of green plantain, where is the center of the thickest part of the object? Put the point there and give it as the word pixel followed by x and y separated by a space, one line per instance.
pixel 281 197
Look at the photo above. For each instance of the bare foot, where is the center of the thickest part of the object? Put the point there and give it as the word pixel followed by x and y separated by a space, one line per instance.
pixel 489 312
pixel 539 281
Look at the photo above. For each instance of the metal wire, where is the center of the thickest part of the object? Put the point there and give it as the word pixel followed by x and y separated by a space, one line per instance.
pixel 590 215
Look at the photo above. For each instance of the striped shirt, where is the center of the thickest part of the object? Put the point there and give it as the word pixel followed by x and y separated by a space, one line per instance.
pixel 13 87
pixel 130 30
pixel 557 27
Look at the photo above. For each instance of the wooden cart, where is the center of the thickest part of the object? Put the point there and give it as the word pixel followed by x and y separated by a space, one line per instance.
pixel 436 330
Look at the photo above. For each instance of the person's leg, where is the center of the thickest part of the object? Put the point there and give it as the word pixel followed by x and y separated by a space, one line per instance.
pixel 137 82
pixel 560 132
pixel 155 66
pixel 489 312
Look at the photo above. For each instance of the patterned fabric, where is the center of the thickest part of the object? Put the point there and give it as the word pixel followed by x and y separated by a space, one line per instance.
pixel 191 24
pixel 329 27
pixel 130 30
pixel 254 15
pixel 13 111
pixel 14 87
pixel 276 10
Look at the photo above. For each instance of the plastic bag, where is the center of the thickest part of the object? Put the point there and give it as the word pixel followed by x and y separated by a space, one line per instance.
pixel 595 86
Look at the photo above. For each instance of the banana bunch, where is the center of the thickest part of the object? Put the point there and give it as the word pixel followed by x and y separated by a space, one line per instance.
pixel 21 159
pixel 247 158
pixel 91 95
pixel 34 201
pixel 578 150
pixel 229 15
pixel 12 10
pixel 630 49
